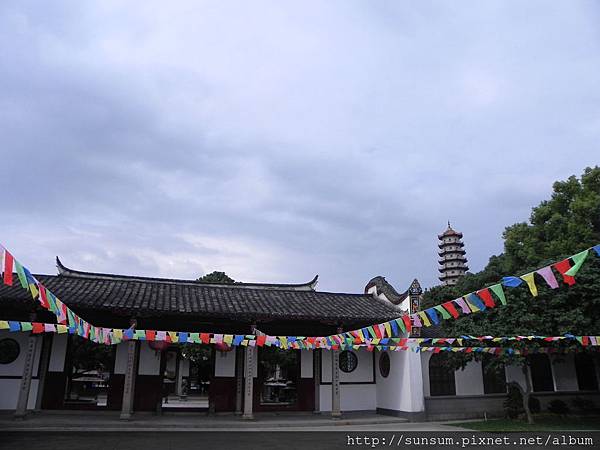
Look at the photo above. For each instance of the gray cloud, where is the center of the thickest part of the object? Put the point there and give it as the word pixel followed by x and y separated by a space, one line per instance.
pixel 275 141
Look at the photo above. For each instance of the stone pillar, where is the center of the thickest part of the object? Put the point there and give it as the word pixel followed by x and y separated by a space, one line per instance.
pixel 317 379
pixel 130 375
pixel 335 382
pixel 249 379
pixel 239 380
pixel 43 369
pixel 25 386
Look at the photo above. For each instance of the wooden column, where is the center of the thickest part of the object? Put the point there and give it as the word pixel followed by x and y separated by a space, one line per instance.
pixel 25 386
pixel 249 379
pixel 335 382
pixel 239 380
pixel 43 369
pixel 317 379
pixel 130 375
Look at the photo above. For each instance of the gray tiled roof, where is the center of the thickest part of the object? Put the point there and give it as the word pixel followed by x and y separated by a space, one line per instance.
pixel 135 296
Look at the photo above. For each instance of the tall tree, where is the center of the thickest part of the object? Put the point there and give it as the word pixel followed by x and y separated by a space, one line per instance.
pixel 559 227
pixel 216 277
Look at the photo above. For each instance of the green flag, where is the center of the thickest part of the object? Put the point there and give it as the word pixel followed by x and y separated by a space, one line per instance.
pixel 497 289
pixel 21 274
pixel 579 258
pixel 26 326
pixel 442 311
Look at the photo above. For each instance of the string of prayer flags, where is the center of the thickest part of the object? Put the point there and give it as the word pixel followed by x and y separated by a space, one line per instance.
pixel 529 279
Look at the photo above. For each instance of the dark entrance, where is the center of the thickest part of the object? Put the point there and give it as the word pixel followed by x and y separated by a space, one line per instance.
pixel 278 378
pixel 186 377
pixel 88 374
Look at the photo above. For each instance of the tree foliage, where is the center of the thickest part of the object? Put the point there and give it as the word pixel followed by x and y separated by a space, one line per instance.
pixel 216 277
pixel 562 226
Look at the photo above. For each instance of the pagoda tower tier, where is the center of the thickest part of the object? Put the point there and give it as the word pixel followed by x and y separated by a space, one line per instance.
pixel 453 263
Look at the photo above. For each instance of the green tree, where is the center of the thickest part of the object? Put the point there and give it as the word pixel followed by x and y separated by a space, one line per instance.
pixel 217 278
pixel 562 226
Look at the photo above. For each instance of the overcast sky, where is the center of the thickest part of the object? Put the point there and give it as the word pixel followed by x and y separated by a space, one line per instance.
pixel 278 140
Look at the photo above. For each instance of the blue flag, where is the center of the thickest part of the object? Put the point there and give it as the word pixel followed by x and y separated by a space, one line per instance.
pixel 14 326
pixel 432 313
pixel 511 281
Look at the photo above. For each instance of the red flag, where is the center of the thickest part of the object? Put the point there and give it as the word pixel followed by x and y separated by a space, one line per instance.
pixel 402 342
pixel 437 350
pixel 585 340
pixel 37 327
pixel 205 337
pixel 260 340
pixel 150 335
pixel 451 309
pixel 562 267
pixel 377 331
pixel 43 297
pixel 407 324
pixel 487 298
pixel 8 268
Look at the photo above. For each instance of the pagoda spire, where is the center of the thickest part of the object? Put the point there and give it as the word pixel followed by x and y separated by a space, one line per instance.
pixel 453 263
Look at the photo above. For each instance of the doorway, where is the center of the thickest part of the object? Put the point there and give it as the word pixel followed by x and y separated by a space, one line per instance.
pixel 278 376
pixel 186 376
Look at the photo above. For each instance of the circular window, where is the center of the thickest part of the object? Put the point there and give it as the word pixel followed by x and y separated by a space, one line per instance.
pixel 384 365
pixel 9 351
pixel 348 361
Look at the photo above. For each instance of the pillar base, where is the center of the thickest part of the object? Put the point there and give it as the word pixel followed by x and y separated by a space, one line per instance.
pixel 125 416
pixel 336 415
pixel 247 417
pixel 19 417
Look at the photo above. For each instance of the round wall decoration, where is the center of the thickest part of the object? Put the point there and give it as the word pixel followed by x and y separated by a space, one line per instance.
pixel 384 365
pixel 348 361
pixel 9 351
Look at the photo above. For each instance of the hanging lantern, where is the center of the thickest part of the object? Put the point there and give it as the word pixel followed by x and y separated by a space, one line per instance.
pixel 158 345
pixel 223 347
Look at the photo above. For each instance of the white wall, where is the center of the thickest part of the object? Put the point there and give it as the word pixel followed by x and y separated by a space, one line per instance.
pixel 306 363
pixel 225 364
pixel 149 363
pixel 402 390
pixel 9 387
pixel 58 353
pixel 565 376
pixel 121 358
pixel 363 372
pixel 469 381
pixel 353 397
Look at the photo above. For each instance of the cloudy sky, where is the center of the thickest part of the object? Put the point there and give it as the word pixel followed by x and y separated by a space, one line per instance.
pixel 278 140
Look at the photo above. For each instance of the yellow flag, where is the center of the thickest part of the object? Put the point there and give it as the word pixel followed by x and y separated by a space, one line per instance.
pixel 174 336
pixel 424 318
pixel 34 290
pixel 61 328
pixel 228 338
pixel 388 329
pixel 118 333
pixel 4 325
pixel 528 278
pixel 375 341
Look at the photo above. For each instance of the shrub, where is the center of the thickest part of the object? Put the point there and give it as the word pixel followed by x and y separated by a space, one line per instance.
pixel 558 407
pixel 513 405
pixel 534 405
pixel 584 404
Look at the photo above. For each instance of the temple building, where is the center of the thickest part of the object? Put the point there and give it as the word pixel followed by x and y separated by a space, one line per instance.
pixel 50 371
pixel 453 263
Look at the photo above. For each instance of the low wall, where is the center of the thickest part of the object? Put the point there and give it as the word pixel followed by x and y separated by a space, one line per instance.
pixel 480 406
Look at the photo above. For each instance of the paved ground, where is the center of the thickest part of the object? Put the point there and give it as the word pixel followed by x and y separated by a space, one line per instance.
pixel 108 421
